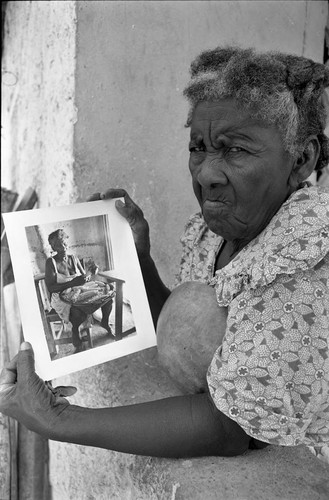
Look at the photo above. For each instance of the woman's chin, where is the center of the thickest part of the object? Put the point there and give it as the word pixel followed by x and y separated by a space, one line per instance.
pixel 225 226
pixel 218 228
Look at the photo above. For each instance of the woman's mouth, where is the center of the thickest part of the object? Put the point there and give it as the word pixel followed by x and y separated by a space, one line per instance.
pixel 213 204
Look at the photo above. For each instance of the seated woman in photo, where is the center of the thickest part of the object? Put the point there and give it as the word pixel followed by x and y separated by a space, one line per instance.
pixel 63 273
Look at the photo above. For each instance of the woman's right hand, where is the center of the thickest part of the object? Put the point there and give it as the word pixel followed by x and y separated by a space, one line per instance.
pixel 133 215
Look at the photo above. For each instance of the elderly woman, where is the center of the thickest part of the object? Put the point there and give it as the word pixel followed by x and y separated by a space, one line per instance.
pixel 64 271
pixel 261 242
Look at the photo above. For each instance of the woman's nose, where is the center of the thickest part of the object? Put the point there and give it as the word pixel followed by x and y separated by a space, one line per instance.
pixel 212 173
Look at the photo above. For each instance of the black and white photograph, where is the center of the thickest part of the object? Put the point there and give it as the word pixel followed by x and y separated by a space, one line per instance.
pixel 86 285
pixel 165 258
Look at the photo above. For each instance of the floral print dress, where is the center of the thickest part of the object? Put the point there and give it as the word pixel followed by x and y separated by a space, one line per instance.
pixel 271 373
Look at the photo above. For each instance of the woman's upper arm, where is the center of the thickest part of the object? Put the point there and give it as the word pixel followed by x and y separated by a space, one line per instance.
pixel 50 275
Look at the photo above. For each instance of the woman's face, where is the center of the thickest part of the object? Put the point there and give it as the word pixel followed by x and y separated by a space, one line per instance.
pixel 60 244
pixel 240 171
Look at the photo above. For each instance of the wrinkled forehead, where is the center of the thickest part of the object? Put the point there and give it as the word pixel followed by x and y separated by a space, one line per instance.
pixel 222 117
pixel 225 110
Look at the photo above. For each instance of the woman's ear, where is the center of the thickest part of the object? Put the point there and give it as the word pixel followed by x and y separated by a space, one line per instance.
pixel 306 162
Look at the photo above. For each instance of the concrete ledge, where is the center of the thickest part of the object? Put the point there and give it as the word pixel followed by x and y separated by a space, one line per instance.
pixel 272 473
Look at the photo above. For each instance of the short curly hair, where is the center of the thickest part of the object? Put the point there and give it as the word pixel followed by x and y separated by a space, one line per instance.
pixel 281 89
pixel 59 234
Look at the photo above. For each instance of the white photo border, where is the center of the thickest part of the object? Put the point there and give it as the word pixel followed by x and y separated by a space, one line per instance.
pixel 126 265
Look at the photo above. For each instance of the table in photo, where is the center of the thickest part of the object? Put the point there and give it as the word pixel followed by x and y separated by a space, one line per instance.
pixel 112 277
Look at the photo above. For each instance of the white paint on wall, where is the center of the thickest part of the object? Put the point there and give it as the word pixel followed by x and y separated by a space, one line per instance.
pixel 38 112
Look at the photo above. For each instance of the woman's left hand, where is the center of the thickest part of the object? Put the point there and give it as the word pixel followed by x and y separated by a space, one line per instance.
pixel 27 398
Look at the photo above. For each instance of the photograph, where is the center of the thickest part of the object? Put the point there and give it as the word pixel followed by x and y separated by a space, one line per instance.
pixel 79 285
pixel 165 182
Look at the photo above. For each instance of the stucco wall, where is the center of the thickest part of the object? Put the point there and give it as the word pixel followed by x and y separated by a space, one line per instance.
pixel 38 113
pixel 132 65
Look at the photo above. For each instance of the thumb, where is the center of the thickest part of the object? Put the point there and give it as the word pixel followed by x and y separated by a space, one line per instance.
pixel 64 391
pixel 121 207
pixel 25 361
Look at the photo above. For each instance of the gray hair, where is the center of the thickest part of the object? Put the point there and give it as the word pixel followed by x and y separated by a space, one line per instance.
pixel 280 89
pixel 58 235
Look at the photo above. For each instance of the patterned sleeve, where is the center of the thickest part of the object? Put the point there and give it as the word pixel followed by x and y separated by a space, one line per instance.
pixel 191 232
pixel 271 374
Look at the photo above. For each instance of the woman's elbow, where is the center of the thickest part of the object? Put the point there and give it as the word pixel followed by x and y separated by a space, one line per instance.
pixel 235 443
pixel 218 435
pixel 230 439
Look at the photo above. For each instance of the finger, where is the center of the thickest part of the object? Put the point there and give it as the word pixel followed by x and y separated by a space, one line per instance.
pixel 126 211
pixel 94 197
pixel 128 201
pixel 60 401
pixel 25 362
pixel 113 193
pixel 64 391
pixel 131 212
pixel 129 204
pixel 61 390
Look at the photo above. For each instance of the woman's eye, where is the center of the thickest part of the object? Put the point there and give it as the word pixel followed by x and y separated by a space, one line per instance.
pixel 235 149
pixel 196 149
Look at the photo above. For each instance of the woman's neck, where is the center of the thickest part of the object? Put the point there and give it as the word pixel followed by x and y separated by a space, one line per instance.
pixel 226 253
pixel 61 257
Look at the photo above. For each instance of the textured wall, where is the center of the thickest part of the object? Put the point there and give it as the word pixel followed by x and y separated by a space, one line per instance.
pixel 38 115
pixel 38 112
pixel 132 65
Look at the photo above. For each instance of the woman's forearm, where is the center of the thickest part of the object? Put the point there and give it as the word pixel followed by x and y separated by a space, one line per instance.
pixel 157 292
pixel 60 287
pixel 177 427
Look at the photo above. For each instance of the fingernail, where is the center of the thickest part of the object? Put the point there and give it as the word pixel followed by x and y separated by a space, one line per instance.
pixel 25 346
pixel 119 203
pixel 102 196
